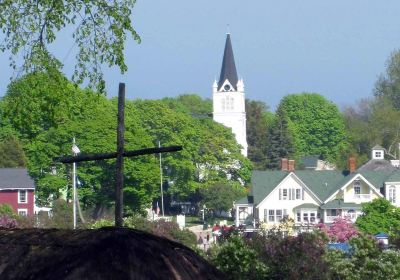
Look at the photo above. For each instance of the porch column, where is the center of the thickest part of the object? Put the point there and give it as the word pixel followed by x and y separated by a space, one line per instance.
pixel 237 216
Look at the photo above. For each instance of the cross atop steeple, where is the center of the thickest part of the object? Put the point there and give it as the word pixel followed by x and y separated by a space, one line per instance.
pixel 228 70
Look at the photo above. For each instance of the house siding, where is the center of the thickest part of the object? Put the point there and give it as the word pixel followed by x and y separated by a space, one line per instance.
pixel 10 197
pixel 273 201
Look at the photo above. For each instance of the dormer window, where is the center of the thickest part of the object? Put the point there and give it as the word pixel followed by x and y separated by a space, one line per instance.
pixel 227 87
pixel 357 187
pixel 378 152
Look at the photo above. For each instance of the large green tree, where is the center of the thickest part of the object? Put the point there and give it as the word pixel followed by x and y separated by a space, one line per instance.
pixel 210 152
pixel 388 84
pixel 371 122
pixel 99 31
pixel 11 153
pixel 280 139
pixel 317 124
pixel 379 216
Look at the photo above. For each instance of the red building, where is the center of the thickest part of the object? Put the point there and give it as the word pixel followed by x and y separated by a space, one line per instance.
pixel 18 190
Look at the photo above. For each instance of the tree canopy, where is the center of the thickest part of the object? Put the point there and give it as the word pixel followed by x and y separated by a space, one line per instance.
pixel 379 216
pixel 99 31
pixel 259 120
pixel 210 152
pixel 388 84
pixel 317 125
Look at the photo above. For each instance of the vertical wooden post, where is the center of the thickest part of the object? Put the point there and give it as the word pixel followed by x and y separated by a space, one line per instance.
pixel 120 158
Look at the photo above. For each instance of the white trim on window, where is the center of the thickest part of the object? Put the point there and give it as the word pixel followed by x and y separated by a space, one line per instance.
pixel 392 194
pixel 22 198
pixel 22 212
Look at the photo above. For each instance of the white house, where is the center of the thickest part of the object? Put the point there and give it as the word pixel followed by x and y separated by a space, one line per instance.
pixel 313 196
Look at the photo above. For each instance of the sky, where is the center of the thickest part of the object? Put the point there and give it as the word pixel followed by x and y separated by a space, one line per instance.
pixel 335 48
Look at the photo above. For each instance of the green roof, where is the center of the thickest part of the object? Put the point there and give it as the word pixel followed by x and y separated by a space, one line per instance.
pixel 263 182
pixel 306 206
pixel 323 183
pixel 339 204
pixel 393 177
pixel 243 200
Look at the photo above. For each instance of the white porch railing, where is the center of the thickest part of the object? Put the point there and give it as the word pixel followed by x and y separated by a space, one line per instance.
pixel 362 196
pixel 351 216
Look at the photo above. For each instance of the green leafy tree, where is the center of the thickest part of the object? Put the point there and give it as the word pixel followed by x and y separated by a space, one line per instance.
pixel 191 104
pixel 388 84
pixel 367 261
pixel 220 196
pixel 379 216
pixel 11 153
pixel 318 127
pixel 372 122
pixel 210 152
pixel 40 101
pixel 237 260
pixel 257 125
pixel 99 30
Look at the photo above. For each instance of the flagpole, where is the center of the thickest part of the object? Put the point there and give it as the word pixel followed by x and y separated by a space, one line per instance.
pixel 74 186
pixel 161 183
pixel 75 152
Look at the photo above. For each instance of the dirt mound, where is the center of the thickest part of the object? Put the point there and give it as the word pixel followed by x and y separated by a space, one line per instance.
pixel 107 253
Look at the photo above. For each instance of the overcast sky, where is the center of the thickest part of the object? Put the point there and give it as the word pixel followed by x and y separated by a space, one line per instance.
pixel 335 48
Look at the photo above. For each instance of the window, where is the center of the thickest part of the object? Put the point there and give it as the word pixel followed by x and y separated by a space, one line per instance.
pixel 279 215
pixel 298 217
pixel 298 194
pixel 229 103
pixel 223 104
pixel 284 194
pixel 357 187
pixel 305 217
pixel 23 212
pixel 378 154
pixel 333 212
pixel 22 196
pixel 312 217
pixel 392 194
pixel 271 216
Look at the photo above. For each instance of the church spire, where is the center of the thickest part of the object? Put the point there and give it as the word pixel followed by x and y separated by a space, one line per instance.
pixel 228 70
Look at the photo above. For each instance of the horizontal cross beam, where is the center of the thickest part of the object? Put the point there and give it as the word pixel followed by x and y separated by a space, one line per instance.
pixel 90 157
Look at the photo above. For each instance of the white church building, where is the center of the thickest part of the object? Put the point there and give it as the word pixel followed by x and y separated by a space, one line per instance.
pixel 229 99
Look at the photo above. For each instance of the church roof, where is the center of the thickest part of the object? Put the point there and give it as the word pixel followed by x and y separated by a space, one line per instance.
pixel 377 147
pixel 228 70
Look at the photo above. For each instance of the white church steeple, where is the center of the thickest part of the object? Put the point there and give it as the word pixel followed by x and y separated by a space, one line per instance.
pixel 229 99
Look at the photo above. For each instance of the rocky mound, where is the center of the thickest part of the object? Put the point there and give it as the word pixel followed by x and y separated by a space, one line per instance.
pixel 107 253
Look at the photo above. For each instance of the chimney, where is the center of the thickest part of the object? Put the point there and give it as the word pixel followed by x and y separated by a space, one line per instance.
pixel 284 164
pixel 352 164
pixel 291 164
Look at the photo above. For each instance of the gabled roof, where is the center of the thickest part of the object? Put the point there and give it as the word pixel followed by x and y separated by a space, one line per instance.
pixel 15 178
pixel 228 70
pixel 263 182
pixel 377 165
pixel 323 184
pixel 378 147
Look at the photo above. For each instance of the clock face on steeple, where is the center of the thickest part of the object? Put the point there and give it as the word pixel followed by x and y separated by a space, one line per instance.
pixel 227 87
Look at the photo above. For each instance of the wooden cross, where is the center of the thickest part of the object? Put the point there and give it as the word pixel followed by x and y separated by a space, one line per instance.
pixel 119 155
